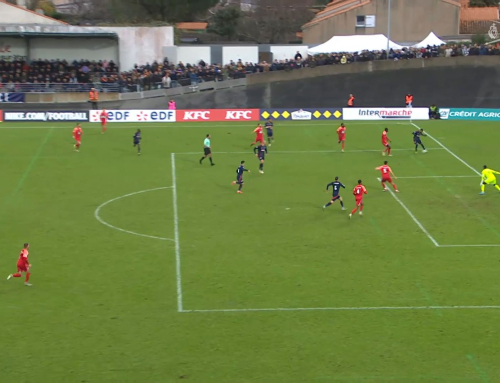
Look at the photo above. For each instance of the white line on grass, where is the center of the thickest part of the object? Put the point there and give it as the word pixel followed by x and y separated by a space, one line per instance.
pixel 419 177
pixel 448 150
pixel 375 308
pixel 130 125
pixel 98 217
pixel 413 217
pixel 312 151
pixel 497 245
pixel 176 236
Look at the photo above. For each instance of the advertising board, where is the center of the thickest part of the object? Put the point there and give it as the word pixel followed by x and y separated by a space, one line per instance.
pixel 12 97
pixel 305 114
pixel 386 113
pixel 470 114
pixel 163 115
pixel 46 116
pixel 217 115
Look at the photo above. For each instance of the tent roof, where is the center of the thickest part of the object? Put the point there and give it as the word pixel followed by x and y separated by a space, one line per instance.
pixel 354 43
pixel 431 40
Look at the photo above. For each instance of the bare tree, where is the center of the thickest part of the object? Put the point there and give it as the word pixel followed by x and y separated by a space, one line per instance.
pixel 275 21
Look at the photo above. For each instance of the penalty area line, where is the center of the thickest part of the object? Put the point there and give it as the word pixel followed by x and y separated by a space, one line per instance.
pixel 178 273
pixel 424 230
pixel 98 217
pixel 374 308
pixel 448 150
pixel 311 151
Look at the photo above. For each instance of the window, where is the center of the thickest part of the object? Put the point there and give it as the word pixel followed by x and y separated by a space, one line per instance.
pixel 360 21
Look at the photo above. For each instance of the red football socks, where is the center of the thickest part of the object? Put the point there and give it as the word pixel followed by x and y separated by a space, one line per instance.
pixel 28 276
pixel 354 211
pixel 394 186
pixel 343 145
pixel 361 208
pixel 17 275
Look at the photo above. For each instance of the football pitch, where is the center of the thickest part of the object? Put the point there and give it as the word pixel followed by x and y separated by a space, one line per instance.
pixel 153 268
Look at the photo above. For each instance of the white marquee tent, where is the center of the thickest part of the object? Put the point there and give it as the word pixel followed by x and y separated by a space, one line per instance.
pixel 354 43
pixel 431 40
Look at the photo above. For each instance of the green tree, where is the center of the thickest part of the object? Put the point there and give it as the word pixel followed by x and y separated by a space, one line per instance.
pixel 483 3
pixel 225 22
pixel 146 11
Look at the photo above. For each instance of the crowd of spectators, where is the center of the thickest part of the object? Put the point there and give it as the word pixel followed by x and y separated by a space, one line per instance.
pixel 61 75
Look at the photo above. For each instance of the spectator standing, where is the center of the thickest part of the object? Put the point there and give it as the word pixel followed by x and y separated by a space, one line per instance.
pixel 166 81
pixel 94 98
pixel 172 105
pixel 350 101
pixel 298 56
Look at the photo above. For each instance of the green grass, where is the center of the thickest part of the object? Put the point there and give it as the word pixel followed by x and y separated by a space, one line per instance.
pixel 104 303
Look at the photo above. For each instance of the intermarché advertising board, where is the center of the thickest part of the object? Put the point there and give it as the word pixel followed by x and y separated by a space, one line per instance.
pixel 386 113
pixel 470 114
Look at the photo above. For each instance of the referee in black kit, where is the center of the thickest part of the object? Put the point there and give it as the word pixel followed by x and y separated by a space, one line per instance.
pixel 207 150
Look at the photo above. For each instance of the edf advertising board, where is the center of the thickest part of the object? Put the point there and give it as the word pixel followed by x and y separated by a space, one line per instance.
pixel 135 115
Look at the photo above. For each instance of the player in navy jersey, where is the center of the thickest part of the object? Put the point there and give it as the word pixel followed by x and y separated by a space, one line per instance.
pixel 260 152
pixel 336 185
pixel 137 141
pixel 417 141
pixel 239 176
pixel 269 131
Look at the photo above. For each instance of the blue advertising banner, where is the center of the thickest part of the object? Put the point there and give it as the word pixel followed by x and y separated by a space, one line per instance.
pixel 302 114
pixel 470 114
pixel 11 97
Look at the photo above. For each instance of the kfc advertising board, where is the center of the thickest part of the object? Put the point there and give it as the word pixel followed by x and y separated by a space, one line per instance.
pixel 195 115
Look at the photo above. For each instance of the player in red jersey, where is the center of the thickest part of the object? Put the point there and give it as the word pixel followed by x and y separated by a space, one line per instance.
pixel 259 138
pixel 385 142
pixel 77 135
pixel 358 192
pixel 341 133
pixel 386 176
pixel 23 265
pixel 104 120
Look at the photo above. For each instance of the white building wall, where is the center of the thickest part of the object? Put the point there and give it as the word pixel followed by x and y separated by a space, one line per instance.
pixel 141 45
pixel 193 55
pixel 284 52
pixel 244 53
pixel 12 48
pixel 15 15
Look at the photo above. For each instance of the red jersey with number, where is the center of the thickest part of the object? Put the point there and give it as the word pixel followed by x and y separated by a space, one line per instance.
pixel 77 133
pixel 104 116
pixel 385 139
pixel 385 170
pixel 23 257
pixel 359 191
pixel 341 131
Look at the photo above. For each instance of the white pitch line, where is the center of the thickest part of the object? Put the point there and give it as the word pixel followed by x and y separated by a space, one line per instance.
pixel 448 150
pixel 413 217
pixel 498 245
pixel 201 124
pixel 418 177
pixel 98 217
pixel 176 236
pixel 311 151
pixel 375 308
